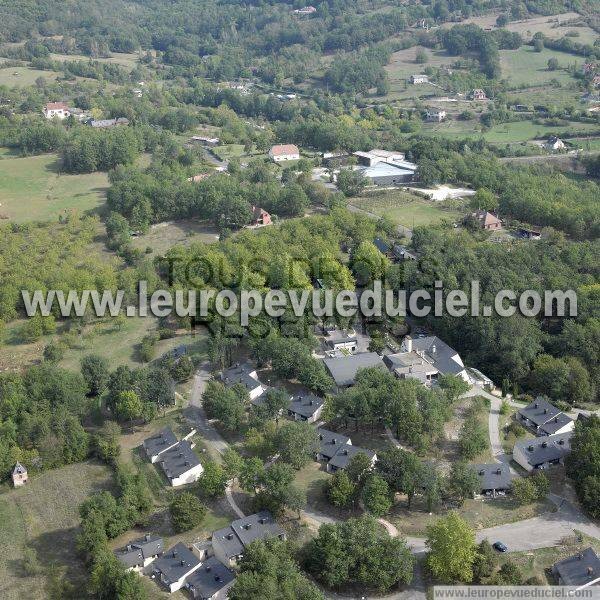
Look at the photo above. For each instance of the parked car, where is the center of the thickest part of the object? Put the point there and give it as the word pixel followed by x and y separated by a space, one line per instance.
pixel 499 546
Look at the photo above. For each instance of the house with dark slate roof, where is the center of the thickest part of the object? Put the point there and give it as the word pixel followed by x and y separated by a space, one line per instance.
pixel 494 478
pixel 211 581
pixel 542 452
pixel 155 445
pixel 174 566
pixel 229 543
pixel 140 553
pixel 544 418
pixel 307 407
pixel 243 375
pixel 330 442
pixel 341 459
pixel 582 569
pixel 180 464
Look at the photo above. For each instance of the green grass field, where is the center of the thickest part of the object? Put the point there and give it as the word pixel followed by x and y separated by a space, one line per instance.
pixel 126 60
pixel 406 209
pixel 43 515
pixel 23 76
pixel 34 190
pixel 525 66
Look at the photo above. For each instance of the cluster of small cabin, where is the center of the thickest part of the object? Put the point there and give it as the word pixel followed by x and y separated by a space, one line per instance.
pixel 204 569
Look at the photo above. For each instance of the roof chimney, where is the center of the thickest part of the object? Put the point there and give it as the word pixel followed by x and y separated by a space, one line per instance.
pixel 409 343
pixel 590 570
pixel 147 537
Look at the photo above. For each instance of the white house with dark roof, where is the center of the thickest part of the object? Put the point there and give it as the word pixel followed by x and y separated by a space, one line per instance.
pixel 175 566
pixel 544 418
pixel 156 444
pixel 229 543
pixel 243 374
pixel 141 552
pixel 581 569
pixel 180 464
pixel 542 452
pixel 211 581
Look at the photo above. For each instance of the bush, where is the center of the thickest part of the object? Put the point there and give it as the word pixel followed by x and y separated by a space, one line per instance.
pixel 186 511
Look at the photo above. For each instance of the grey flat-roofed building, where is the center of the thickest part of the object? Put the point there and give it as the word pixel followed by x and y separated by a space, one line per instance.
pixel 536 453
pixel 388 174
pixel 210 581
pixel 343 369
pixel 493 477
pixel 174 566
pixel 229 542
pixel 345 454
pixel 306 407
pixel 578 570
pixel 330 442
pixel 158 443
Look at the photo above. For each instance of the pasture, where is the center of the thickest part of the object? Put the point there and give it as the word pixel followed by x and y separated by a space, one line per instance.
pixel 24 76
pixel 43 516
pixel 408 209
pixel 34 189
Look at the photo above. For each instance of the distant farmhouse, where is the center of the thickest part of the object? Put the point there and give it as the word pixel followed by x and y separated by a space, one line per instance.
pixel 140 553
pixel 418 79
pixel 544 418
pixel 554 144
pixel 542 452
pixel 108 123
pixel 230 542
pixel 205 140
pixel 58 110
pixel 283 152
pixel 435 116
pixel 306 10
pixel 486 220
pixel 260 217
pixel 425 359
pixel 582 569
pixel 343 369
pixel 477 95
pixel 243 375
pixel 19 475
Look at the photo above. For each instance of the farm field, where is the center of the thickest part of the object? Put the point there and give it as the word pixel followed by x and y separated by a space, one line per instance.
pixel 402 64
pixel 23 76
pixel 525 66
pixel 555 26
pixel 406 209
pixel 33 189
pixel 43 516
pixel 127 60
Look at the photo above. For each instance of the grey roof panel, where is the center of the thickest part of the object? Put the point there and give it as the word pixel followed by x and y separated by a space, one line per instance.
pixel 178 460
pixel 579 569
pixel 493 476
pixel 211 577
pixel 159 442
pixel 175 563
pixel 343 369
pixel 346 453
pixel 545 449
pixel 305 406
pixel 540 411
pixel 331 442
